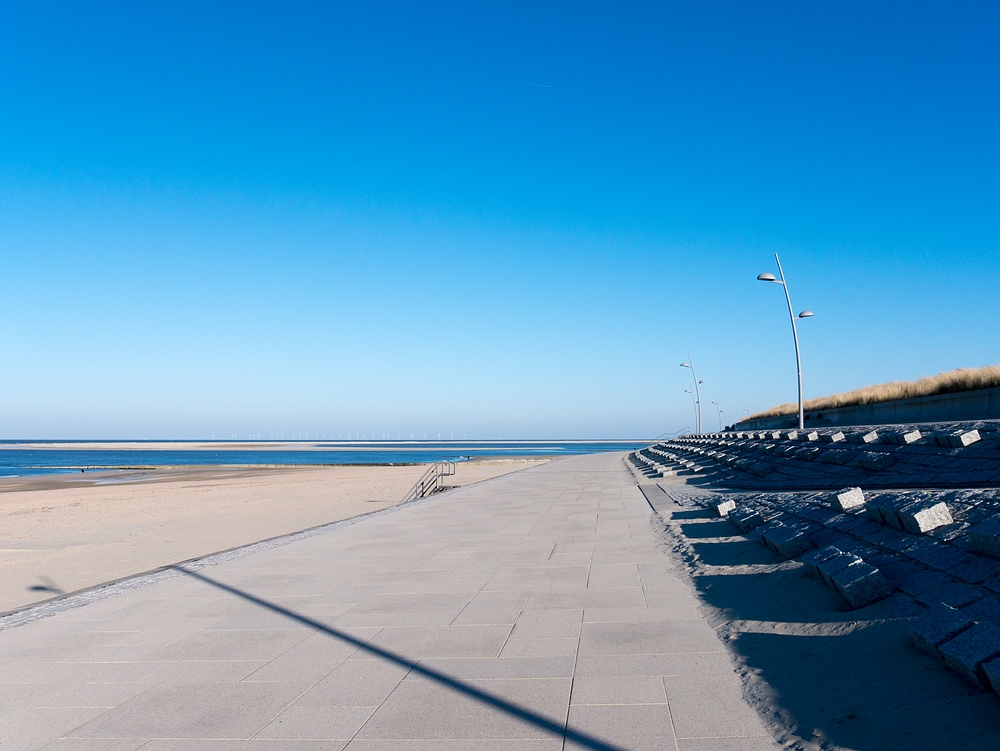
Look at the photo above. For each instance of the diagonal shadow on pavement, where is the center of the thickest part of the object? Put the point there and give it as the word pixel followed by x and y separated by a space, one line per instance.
pixel 522 713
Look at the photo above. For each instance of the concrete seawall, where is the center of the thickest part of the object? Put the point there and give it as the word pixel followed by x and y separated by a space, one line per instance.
pixel 978 404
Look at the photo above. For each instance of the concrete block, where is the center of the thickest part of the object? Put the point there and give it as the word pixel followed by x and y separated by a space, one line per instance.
pixel 985 537
pixel 919 517
pixel 783 539
pixel 938 625
pixel 811 436
pixel 848 499
pixel 861 584
pixel 834 437
pixel 762 469
pixel 905 437
pixel 967 652
pixel 963 438
pixel 722 507
pixel 869 437
pixel 991 670
pixel 746 519
pixel 774 435
pixel 814 558
pixel 806 454
pixel 875 461
pixel 791 435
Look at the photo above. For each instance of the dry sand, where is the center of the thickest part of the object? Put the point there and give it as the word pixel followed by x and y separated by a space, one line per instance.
pixel 821 676
pixel 62 533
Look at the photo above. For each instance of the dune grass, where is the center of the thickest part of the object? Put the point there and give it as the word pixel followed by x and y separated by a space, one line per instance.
pixel 963 379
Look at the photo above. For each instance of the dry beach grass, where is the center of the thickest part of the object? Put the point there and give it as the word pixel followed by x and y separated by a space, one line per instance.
pixel 962 379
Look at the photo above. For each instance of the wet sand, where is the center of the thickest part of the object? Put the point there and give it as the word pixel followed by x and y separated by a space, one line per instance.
pixel 63 533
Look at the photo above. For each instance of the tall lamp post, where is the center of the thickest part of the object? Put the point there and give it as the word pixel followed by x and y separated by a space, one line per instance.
pixel 697 393
pixel 716 403
pixel 795 334
pixel 694 404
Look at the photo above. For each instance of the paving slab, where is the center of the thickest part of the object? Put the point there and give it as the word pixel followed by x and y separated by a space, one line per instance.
pixel 534 611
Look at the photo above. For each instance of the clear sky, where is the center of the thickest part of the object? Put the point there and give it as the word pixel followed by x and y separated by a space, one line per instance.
pixel 497 219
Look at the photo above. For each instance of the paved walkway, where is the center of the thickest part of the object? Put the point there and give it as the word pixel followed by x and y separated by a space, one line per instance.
pixel 530 612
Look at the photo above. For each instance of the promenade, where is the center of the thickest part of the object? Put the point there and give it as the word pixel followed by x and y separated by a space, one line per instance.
pixel 533 611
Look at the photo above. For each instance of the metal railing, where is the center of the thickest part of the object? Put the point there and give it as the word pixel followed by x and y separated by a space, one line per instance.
pixel 431 482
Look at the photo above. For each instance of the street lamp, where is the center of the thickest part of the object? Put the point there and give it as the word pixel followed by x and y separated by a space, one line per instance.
pixel 694 404
pixel 697 393
pixel 720 414
pixel 795 334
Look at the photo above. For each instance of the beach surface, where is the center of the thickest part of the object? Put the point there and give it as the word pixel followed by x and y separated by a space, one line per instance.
pixel 63 533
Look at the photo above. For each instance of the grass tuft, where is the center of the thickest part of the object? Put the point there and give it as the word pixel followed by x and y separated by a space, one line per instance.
pixel 963 379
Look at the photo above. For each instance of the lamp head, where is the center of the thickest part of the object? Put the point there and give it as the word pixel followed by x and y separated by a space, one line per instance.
pixel 765 277
pixel 806 314
pixel 685 365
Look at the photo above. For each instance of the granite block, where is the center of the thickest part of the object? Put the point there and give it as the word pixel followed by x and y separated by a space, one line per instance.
pixel 885 509
pixel 861 584
pixel 905 437
pixel 976 570
pixel 814 558
pixel 985 536
pixel 889 538
pixel 820 538
pixel 722 507
pixel 967 652
pixel 961 439
pixel 953 594
pixel 921 581
pixel 746 519
pixel 949 532
pixel 938 625
pixel 985 609
pixel 784 539
pixel 838 457
pixel 862 527
pixel 818 514
pixel 919 517
pixel 848 499
pixel 875 460
pixel 991 670
pixel 939 555
pixel 828 569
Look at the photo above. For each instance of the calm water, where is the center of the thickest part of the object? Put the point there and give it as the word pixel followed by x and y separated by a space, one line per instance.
pixel 38 461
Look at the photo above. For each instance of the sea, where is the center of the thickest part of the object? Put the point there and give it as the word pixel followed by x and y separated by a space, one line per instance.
pixel 23 458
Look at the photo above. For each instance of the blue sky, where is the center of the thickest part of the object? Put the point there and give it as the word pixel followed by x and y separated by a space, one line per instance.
pixel 494 220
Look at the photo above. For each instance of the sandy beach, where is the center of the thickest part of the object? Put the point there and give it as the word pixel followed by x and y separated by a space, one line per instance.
pixel 63 533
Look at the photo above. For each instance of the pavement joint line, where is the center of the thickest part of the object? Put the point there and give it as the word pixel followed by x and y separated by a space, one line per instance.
pixel 576 736
pixel 81 597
